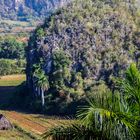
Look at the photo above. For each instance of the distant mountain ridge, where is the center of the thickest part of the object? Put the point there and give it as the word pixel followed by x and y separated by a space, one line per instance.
pixel 26 9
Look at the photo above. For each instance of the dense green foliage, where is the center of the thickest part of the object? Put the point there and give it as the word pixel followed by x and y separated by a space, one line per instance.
pixel 8 67
pixel 12 55
pixel 11 48
pixel 85 54
pixel 108 116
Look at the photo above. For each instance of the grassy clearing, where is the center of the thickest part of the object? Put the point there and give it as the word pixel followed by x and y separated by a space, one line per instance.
pixel 20 23
pixel 11 27
pixel 12 80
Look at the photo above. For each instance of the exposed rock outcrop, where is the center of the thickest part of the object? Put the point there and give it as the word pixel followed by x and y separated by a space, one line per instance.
pixel 25 9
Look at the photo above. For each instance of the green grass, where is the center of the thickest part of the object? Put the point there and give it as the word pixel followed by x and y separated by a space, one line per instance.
pixel 12 80
pixel 14 134
pixel 11 83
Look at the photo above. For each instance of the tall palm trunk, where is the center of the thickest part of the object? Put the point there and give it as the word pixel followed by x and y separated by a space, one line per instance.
pixel 38 92
pixel 42 97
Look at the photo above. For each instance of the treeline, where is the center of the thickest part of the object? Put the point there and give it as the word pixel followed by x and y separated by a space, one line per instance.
pixel 11 48
pixel 8 66
pixel 12 55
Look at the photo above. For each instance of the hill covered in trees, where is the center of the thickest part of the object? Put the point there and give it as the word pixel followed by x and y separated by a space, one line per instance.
pixel 80 49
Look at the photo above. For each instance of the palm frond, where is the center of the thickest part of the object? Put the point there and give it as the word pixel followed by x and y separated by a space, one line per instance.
pixel 130 88
pixel 108 117
pixel 75 131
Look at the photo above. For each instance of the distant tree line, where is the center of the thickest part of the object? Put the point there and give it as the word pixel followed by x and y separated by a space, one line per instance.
pixel 10 48
pixel 12 56
pixel 8 67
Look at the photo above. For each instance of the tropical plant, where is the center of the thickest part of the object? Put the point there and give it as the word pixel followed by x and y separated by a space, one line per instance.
pixel 41 81
pixel 75 131
pixel 108 115
pixel 102 119
pixel 130 89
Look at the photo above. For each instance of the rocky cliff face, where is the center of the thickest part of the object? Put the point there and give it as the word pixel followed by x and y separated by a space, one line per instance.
pixel 23 9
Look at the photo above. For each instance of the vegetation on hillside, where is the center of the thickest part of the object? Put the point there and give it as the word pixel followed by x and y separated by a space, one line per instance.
pixel 82 48
pixel 108 116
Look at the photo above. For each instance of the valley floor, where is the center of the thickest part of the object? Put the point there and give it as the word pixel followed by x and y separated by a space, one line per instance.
pixel 26 126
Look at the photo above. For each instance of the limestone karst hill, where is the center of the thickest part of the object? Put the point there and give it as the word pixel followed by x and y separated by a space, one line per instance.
pixel 26 9
pixel 81 44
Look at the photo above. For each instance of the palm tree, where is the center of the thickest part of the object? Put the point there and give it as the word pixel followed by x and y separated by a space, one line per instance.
pixel 42 83
pixel 130 89
pixel 105 118
pixel 109 117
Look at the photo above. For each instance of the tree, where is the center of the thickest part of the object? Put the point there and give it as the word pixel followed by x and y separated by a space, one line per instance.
pixel 8 67
pixel 40 32
pixel 61 73
pixel 130 89
pixel 109 117
pixel 10 48
pixel 41 81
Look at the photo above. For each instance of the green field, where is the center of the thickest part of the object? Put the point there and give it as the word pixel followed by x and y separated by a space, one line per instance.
pixel 17 23
pixel 12 80
pixel 11 27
